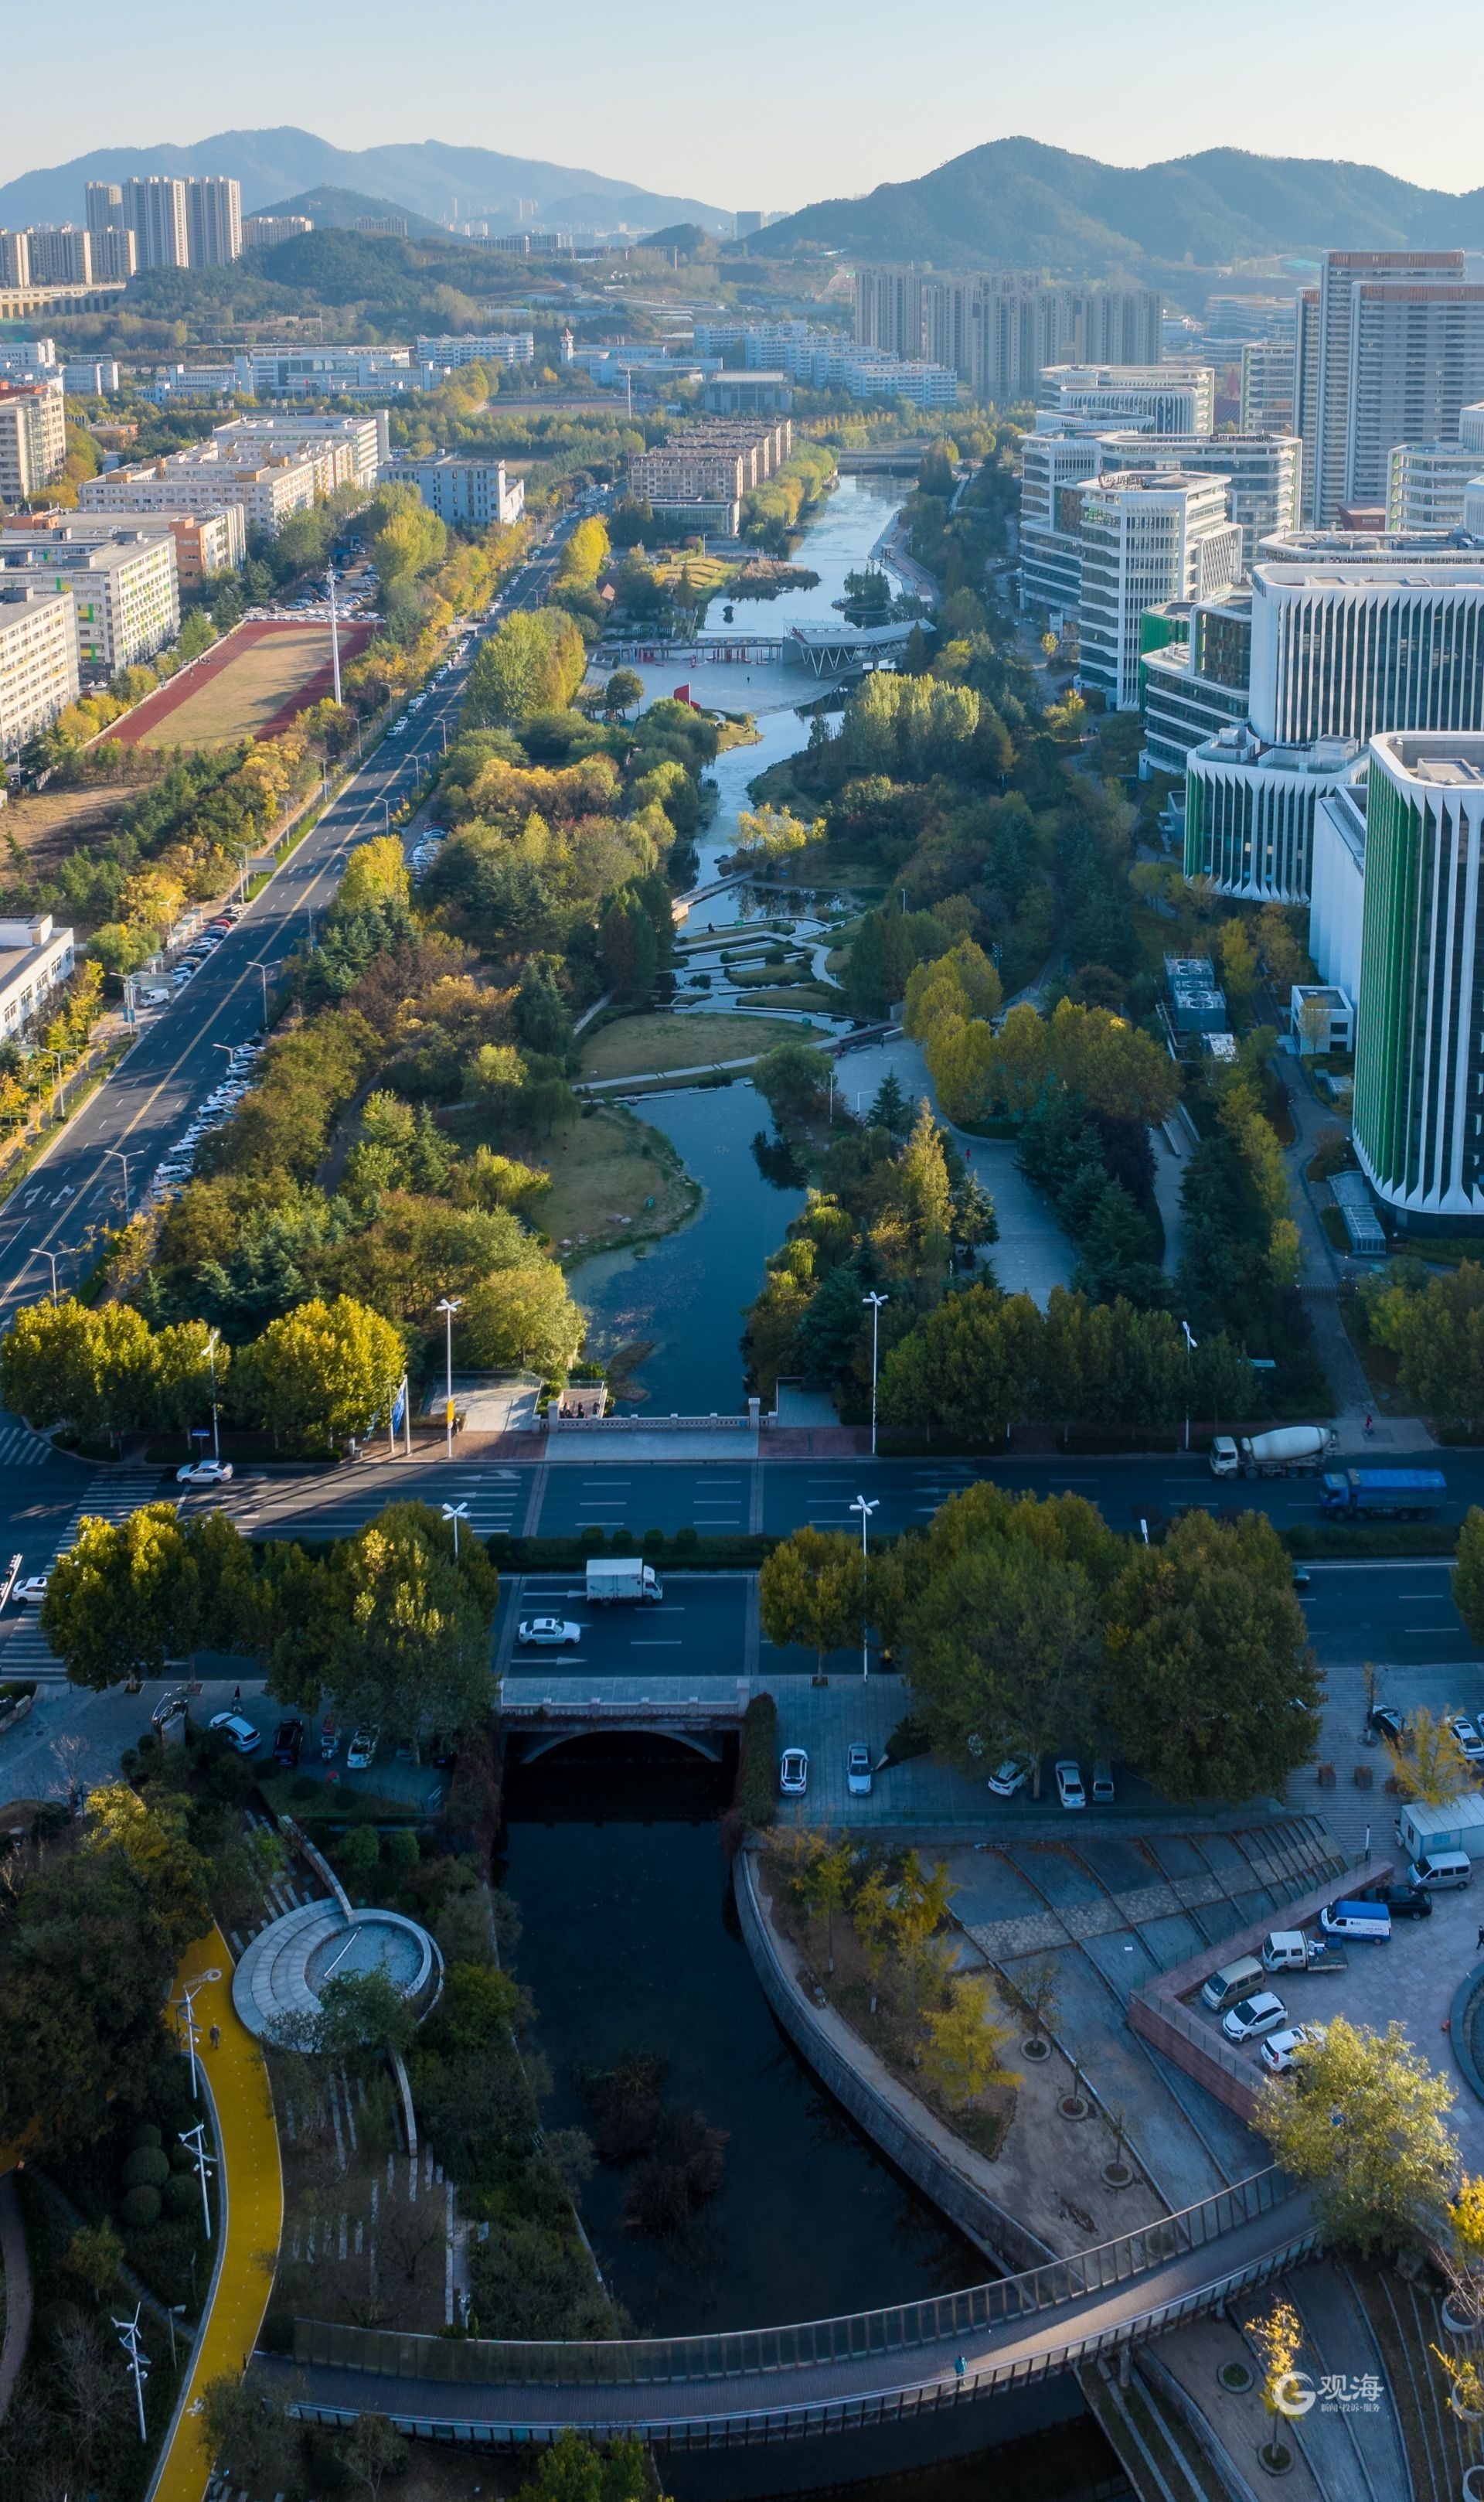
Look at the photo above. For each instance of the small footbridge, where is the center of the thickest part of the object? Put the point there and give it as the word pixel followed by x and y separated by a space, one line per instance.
pixel 825 2376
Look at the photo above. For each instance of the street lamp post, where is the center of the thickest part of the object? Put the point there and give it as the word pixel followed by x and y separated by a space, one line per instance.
pixel 264 969
pixel 450 1305
pixel 875 1300
pixel 124 1159
pixel 139 2362
pixel 1190 1349
pixel 211 1357
pixel 865 1510
pixel 456 1512
pixel 191 2028
pixel 196 2139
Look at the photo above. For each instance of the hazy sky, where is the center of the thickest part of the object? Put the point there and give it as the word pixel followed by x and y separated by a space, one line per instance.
pixel 761 107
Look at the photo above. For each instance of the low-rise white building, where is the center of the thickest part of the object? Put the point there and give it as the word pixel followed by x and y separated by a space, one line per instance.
pixel 268 491
pixel 206 544
pixel 1427 480
pixel 475 492
pixel 125 589
pixel 38 660
pixel 34 958
pixel 488 348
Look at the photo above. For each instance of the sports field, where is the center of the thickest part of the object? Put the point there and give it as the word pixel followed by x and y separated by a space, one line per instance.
pixel 247 686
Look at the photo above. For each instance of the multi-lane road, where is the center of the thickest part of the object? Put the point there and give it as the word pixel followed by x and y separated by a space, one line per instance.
pixel 104 1157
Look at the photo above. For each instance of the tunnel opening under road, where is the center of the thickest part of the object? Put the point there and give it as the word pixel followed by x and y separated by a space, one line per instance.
pixel 629 1776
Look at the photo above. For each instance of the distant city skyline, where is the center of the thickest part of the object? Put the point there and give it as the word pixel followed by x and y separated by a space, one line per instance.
pixel 684 100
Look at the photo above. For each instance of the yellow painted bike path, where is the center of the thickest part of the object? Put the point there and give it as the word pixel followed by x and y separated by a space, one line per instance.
pixel 251 2180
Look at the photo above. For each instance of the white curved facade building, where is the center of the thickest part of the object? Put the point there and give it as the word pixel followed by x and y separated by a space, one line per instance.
pixel 1250 810
pixel 1419 1069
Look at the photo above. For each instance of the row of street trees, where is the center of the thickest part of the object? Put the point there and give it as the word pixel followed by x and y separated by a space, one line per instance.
pixel 317 1375
pixel 1027 1626
pixel 389 1626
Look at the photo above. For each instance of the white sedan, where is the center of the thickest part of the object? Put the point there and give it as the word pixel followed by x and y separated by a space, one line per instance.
pixel 552 1631
pixel 1012 1775
pixel 1069 1787
pixel 794 1771
pixel 239 1732
pixel 204 1473
pixel 30 1594
pixel 1251 2018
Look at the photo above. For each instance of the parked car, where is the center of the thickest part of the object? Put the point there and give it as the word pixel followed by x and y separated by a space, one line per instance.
pixel 1279 2050
pixel 1470 1742
pixel 1011 1775
pixel 205 1473
pixel 174 1707
pixel 1251 2018
pixel 239 1733
pixel 330 1741
pixel 1104 1790
pixel 552 1631
pixel 1406 1902
pixel 1069 1783
pixel 287 1744
pixel 794 1771
pixel 1386 1723
pixel 858 1771
pixel 361 1755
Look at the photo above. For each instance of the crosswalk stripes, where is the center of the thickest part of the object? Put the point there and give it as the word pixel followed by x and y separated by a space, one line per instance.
pixel 20 1448
pixel 25 1653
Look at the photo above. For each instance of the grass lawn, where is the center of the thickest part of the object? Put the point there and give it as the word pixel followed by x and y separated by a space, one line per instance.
pixel 608 1167
pixel 236 701
pixel 640 1046
pixel 51 825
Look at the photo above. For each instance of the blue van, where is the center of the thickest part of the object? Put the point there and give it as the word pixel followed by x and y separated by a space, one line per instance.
pixel 1367 1922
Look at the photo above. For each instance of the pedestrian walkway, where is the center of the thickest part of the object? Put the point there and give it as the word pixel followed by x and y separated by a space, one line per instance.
pixel 112 1497
pixel 250 2211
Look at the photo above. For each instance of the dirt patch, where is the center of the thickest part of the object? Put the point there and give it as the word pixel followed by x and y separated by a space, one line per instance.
pixel 640 1046
pixel 50 826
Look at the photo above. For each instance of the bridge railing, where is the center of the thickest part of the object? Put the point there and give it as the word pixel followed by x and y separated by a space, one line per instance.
pixel 735 2354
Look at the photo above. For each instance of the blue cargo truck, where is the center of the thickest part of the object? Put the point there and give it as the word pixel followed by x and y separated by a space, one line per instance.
pixel 1384 1494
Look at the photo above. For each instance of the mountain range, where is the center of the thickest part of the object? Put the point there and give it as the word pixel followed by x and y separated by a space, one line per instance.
pixel 426 177
pixel 1015 203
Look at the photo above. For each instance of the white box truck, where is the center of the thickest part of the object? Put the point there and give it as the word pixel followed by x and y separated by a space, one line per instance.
pixel 1424 1831
pixel 1288 1451
pixel 622 1580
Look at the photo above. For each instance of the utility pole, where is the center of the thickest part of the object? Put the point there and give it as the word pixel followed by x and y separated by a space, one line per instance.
pixel 334 630
pixel 875 1300
pixel 865 1510
pixel 211 1357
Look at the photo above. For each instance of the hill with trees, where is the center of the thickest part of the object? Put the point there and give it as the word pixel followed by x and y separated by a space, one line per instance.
pixel 1016 203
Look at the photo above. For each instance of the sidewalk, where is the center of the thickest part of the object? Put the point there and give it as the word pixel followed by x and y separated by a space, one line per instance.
pixel 249 2185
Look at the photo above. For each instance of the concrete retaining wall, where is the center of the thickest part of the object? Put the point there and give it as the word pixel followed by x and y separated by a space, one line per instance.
pixel 909 2134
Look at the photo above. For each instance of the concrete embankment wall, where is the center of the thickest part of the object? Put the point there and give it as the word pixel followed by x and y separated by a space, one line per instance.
pixel 945 2170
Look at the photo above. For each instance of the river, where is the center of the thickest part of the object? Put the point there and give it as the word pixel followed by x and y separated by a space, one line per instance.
pixel 683 1299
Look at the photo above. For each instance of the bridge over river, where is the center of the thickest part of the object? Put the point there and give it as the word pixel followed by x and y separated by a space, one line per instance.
pixel 824 2376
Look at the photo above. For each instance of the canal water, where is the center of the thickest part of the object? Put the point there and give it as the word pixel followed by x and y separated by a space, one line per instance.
pixel 682 1300
pixel 629 1944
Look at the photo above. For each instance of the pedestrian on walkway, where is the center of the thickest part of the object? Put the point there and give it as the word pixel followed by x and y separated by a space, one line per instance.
pixel 959 2367
pixel 237 1696
pixel 213 2037
pixel 1371 1422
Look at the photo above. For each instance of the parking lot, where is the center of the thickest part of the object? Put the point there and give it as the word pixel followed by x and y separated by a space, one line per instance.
pixel 1412 1979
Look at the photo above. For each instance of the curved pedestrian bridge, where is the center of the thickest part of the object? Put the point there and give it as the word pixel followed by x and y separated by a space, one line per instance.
pixel 824 2376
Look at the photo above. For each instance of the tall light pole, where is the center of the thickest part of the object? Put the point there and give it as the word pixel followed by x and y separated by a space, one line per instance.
pixel 1191 1344
pixel 264 969
pixel 190 2029
pixel 52 1256
pixel 456 1512
pixel 139 2362
pixel 865 1510
pixel 196 2139
pixel 334 632
pixel 450 1305
pixel 211 1358
pixel 124 1159
pixel 875 1300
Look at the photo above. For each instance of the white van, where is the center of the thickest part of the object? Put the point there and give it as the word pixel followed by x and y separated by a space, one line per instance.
pixel 1285 1950
pixel 1441 1872
pixel 1235 1980
pixel 1363 1922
